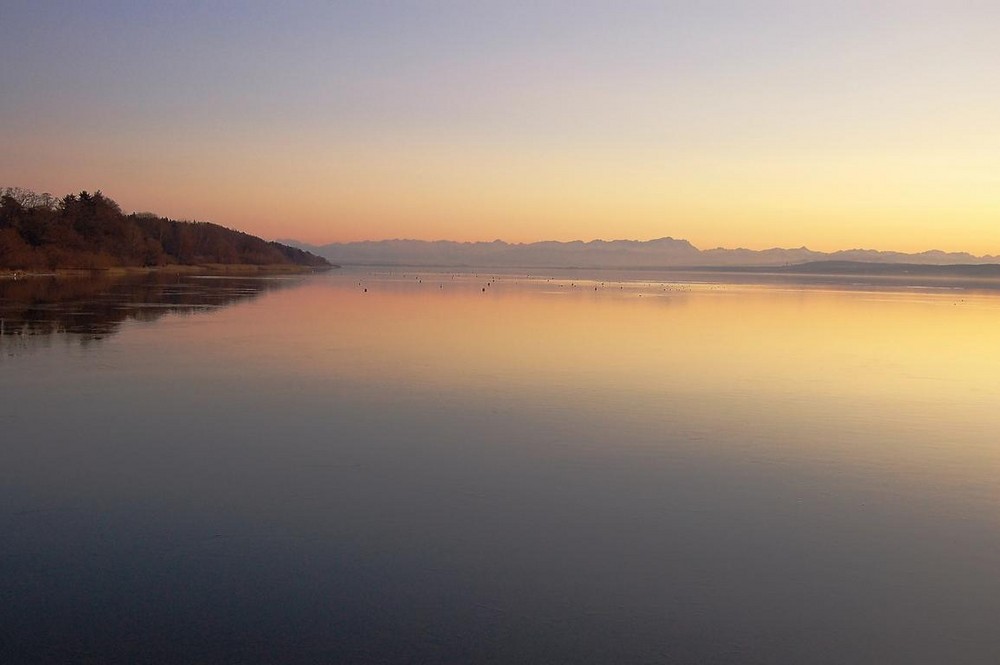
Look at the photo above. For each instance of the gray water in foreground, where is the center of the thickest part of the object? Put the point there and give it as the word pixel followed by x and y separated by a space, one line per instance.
pixel 428 467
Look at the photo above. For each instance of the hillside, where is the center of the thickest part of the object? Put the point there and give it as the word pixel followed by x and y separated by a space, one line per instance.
pixel 38 231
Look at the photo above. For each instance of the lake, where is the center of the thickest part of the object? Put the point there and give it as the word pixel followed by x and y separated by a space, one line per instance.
pixel 429 467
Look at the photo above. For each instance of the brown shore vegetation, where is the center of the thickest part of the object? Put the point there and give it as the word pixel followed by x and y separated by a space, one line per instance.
pixel 40 233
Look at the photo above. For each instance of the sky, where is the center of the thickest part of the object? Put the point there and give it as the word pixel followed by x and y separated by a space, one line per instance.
pixel 753 124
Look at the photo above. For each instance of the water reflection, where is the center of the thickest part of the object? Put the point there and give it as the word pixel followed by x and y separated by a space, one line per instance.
pixel 88 308
pixel 442 468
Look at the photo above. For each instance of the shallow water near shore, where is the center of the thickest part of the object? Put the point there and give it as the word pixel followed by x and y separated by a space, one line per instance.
pixel 430 467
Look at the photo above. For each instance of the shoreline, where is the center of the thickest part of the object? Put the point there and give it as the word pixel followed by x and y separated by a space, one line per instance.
pixel 236 269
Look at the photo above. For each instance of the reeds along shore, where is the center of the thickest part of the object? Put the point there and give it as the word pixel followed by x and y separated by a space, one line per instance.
pixel 235 269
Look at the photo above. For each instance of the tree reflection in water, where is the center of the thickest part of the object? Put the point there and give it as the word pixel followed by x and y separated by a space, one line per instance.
pixel 88 308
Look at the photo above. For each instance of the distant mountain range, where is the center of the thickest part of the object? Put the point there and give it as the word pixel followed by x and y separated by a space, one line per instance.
pixel 660 253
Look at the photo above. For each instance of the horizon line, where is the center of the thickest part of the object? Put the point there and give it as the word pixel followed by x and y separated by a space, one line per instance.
pixel 629 240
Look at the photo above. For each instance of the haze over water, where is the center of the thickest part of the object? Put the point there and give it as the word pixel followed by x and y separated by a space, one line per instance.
pixel 433 467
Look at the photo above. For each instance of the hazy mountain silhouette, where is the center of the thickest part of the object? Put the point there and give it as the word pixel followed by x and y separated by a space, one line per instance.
pixel 660 253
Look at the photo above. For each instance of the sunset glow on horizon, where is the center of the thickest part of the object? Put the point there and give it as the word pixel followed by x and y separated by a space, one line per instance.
pixel 730 124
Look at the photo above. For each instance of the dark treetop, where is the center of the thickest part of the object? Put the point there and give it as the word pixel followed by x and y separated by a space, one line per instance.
pixel 38 231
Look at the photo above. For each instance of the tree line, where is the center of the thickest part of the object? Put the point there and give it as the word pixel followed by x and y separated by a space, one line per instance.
pixel 89 230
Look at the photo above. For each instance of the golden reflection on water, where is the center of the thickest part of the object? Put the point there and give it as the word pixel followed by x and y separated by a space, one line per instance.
pixel 712 338
pixel 901 384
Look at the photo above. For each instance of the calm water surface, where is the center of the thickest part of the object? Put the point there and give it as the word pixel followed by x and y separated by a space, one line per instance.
pixel 441 468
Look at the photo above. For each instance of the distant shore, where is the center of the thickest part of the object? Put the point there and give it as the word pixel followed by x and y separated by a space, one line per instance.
pixel 840 275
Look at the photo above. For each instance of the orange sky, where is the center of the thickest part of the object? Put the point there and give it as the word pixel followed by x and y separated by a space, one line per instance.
pixel 756 125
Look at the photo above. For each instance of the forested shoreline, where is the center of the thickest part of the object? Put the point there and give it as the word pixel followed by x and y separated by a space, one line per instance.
pixel 90 231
